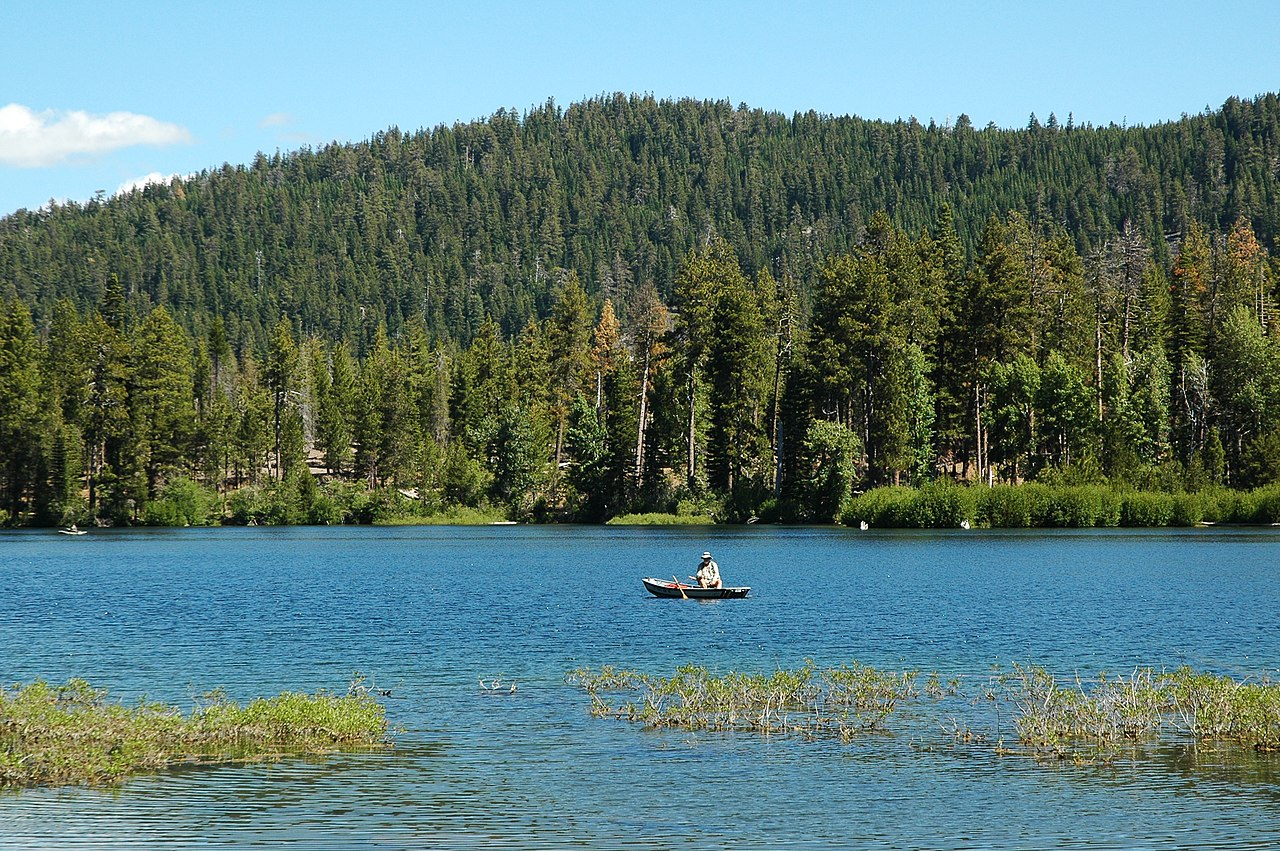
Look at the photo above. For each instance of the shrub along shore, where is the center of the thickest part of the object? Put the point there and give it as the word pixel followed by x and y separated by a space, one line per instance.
pixel 937 505
pixel 70 734
pixel 947 506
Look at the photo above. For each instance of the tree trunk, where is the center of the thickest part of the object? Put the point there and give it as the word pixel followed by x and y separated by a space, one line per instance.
pixel 1124 334
pixel 777 464
pixel 775 434
pixel 1097 349
pixel 644 414
pixel 93 481
pixel 977 431
pixel 560 441
pixel 279 405
pixel 693 434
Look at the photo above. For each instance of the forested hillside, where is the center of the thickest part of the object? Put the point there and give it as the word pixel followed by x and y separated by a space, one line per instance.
pixel 631 304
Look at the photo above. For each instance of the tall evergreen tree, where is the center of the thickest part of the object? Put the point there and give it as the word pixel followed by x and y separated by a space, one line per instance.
pixel 20 407
pixel 162 398
pixel 281 377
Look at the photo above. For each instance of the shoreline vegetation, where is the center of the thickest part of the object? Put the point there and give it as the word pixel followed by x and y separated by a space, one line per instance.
pixel 1024 711
pixel 1036 505
pixel 529 316
pixel 71 734
pixel 937 505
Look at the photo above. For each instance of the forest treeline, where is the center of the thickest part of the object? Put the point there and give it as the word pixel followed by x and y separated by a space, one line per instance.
pixel 463 222
pixel 634 305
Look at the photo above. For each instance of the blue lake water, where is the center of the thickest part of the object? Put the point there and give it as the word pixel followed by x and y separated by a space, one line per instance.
pixel 426 612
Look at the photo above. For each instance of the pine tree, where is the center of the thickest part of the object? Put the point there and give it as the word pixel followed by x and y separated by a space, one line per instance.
pixel 697 291
pixel 736 369
pixel 253 440
pixel 1188 332
pixel 605 350
pixel 281 377
pixel 105 419
pixel 162 398
pixel 20 408
pixel 568 352
pixel 646 335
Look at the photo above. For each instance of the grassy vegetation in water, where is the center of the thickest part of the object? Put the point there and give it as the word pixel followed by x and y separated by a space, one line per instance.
pixel 839 701
pixel 1078 718
pixel 71 734
pixel 1112 711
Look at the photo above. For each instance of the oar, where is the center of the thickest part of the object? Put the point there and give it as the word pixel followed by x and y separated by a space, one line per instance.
pixel 679 587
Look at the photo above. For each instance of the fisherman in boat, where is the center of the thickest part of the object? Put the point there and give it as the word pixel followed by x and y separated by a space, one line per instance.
pixel 709 573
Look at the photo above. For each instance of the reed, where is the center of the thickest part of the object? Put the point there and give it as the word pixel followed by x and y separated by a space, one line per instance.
pixel 1145 705
pixel 1041 714
pixel 841 702
pixel 72 734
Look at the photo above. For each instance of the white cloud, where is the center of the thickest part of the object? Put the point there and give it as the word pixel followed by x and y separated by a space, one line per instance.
pixel 31 139
pixel 276 119
pixel 144 181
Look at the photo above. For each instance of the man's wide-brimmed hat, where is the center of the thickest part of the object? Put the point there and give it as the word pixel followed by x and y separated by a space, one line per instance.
pixel 706 555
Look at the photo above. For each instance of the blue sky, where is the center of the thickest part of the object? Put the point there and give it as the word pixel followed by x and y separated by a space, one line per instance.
pixel 97 95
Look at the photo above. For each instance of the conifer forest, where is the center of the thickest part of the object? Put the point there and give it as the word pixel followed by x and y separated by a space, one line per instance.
pixel 630 306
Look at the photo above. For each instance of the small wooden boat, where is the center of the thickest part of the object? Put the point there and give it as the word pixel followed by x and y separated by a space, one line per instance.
pixel 669 588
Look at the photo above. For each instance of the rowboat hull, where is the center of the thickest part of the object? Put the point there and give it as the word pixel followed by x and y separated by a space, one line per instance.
pixel 667 588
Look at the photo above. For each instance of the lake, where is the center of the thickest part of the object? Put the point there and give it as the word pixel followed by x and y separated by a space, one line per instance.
pixel 426 612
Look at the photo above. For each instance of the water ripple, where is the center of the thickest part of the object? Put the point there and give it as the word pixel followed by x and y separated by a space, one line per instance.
pixel 426 613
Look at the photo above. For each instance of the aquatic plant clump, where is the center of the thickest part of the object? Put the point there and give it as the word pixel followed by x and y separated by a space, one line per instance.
pixel 1050 717
pixel 841 701
pixel 1143 706
pixel 71 734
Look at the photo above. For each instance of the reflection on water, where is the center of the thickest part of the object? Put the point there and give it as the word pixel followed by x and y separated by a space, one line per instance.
pixel 427 613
